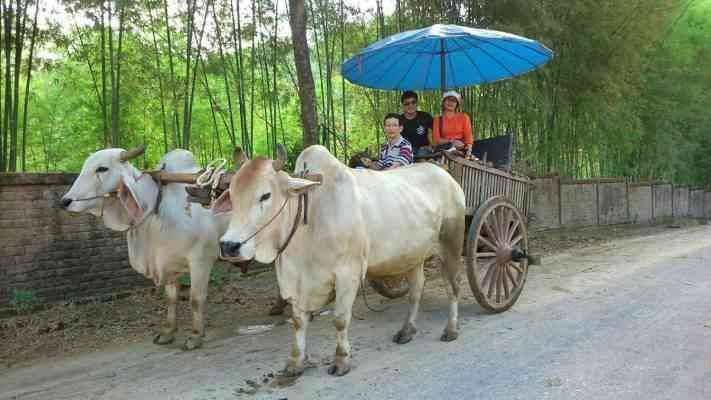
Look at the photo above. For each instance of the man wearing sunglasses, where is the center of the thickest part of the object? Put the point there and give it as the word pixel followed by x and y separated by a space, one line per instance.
pixel 417 124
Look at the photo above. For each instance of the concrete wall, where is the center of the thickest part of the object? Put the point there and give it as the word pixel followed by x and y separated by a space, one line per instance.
pixel 640 201
pixel 696 203
pixel 545 204
pixel 57 255
pixel 607 201
pixel 578 204
pixel 681 201
pixel 662 202
pixel 612 205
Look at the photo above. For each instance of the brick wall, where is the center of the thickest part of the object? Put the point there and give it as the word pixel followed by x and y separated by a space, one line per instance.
pixel 57 255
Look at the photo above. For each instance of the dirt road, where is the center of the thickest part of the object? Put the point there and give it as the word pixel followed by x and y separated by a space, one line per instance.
pixel 624 320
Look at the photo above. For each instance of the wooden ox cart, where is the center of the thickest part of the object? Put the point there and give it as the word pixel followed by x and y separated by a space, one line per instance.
pixel 496 248
pixel 497 204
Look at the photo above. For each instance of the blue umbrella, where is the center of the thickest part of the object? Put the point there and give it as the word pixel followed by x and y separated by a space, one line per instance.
pixel 443 57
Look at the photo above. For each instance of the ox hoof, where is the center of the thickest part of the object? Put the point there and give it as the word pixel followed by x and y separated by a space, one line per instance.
pixel 162 339
pixel 192 343
pixel 278 307
pixel 292 371
pixel 339 369
pixel 449 336
pixel 405 334
pixel 276 310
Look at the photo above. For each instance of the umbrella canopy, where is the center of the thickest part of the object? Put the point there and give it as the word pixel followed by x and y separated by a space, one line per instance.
pixel 443 57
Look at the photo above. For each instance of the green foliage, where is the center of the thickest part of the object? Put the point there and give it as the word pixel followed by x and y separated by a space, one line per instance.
pixel 627 93
pixel 23 300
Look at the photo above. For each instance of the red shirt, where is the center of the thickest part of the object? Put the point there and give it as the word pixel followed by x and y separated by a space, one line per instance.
pixel 456 127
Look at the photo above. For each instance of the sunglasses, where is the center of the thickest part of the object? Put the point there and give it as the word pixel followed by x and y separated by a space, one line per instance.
pixel 409 103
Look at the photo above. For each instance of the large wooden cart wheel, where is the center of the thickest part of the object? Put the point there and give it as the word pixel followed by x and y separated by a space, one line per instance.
pixel 391 287
pixel 496 254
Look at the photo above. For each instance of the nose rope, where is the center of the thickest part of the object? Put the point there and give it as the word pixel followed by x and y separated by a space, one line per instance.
pixel 114 193
pixel 294 226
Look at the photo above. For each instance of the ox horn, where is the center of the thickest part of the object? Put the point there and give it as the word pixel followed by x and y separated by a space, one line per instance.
pixel 239 157
pixel 281 158
pixel 133 153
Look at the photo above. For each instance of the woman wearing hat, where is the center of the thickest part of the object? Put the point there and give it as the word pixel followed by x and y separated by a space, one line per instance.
pixel 453 127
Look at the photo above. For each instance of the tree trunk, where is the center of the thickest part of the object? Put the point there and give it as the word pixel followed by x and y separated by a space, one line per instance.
pixel 307 92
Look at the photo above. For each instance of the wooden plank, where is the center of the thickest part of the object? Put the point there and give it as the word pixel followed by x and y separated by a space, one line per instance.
pixel 476 165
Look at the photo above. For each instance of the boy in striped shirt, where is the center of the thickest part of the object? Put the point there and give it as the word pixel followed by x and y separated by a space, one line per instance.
pixel 397 151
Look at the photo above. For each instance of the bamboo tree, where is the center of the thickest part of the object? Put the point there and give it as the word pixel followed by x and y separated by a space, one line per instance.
pixel 8 13
pixel 20 20
pixel 185 142
pixel 237 40
pixel 102 103
pixel 220 47
pixel 30 60
pixel 159 75
pixel 174 110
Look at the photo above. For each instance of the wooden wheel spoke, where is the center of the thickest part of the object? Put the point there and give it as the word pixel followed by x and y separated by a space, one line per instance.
pixel 514 281
pixel 517 268
pixel 485 254
pixel 487 243
pixel 493 231
pixel 492 281
pixel 505 222
pixel 504 278
pixel 512 231
pixel 499 285
pixel 490 269
pixel 499 214
pixel 517 239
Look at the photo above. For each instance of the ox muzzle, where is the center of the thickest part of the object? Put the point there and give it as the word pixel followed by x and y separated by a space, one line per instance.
pixel 230 251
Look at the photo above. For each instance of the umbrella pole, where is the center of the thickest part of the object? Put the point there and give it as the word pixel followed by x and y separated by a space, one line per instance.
pixel 442 85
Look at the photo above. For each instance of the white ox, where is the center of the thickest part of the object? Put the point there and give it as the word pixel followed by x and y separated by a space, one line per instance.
pixel 359 222
pixel 166 235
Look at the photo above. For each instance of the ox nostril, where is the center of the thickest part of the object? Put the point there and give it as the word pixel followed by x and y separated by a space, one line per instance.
pixel 66 202
pixel 230 248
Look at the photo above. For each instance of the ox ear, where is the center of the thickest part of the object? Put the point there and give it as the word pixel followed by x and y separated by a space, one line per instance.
pixel 137 195
pixel 299 186
pixel 239 158
pixel 222 204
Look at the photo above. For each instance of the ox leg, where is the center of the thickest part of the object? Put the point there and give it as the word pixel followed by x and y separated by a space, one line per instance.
pixel 169 326
pixel 199 281
pixel 346 291
pixel 451 269
pixel 297 361
pixel 416 279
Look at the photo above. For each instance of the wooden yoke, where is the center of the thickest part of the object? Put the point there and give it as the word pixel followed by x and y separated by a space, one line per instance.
pixel 203 195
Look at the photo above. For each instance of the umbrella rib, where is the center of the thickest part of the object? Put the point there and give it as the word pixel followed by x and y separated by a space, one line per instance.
pixel 451 69
pixel 534 65
pixel 404 76
pixel 427 71
pixel 394 61
pixel 495 59
pixel 471 60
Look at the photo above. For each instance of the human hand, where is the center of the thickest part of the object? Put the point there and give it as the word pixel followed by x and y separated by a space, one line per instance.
pixel 366 161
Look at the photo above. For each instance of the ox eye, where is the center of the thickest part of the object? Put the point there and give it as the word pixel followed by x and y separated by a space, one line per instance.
pixel 265 197
pixel 102 169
